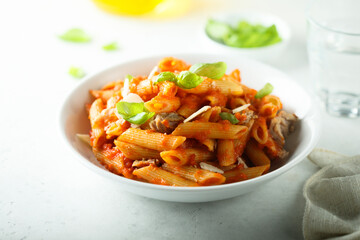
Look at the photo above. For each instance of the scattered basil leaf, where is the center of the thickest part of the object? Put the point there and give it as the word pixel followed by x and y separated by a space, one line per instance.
pixel 166 76
pixel 110 47
pixel 76 72
pixel 244 35
pixel 135 113
pixel 210 70
pixel 188 80
pixel 266 90
pixel 217 30
pixel 228 116
pixel 75 35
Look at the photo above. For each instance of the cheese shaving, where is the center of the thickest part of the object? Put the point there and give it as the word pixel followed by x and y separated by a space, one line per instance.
pixel 153 71
pixel 211 168
pixel 241 108
pixel 241 161
pixel 197 113
pixel 126 89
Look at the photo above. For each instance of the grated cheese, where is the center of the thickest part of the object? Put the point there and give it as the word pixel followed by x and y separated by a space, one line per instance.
pixel 239 109
pixel 210 168
pixel 126 89
pixel 197 113
pixel 241 161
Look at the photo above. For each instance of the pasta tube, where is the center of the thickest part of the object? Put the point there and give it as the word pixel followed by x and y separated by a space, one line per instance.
pixel 201 176
pixel 157 175
pixel 203 130
pixel 152 140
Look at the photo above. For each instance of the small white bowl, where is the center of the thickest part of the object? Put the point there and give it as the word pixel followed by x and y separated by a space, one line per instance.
pixel 266 53
pixel 73 120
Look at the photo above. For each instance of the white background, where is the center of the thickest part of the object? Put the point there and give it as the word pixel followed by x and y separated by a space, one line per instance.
pixel 46 194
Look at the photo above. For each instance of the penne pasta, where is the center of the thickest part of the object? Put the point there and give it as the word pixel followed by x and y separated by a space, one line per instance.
pixel 84 138
pixel 228 87
pixel 160 104
pixel 241 174
pixel 226 152
pixel 150 139
pixel 259 130
pixel 203 130
pixel 257 155
pixel 201 176
pixel 189 105
pixel 113 161
pixel 136 152
pixel 185 128
pixel 181 156
pixel 158 175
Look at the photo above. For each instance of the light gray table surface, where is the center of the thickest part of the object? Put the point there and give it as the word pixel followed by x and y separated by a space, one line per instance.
pixel 46 194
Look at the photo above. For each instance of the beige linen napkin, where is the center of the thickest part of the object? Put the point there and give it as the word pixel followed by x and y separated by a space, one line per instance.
pixel 332 196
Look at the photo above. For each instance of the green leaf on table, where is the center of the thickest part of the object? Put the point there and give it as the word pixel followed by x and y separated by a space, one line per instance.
pixel 243 35
pixel 75 35
pixel 266 90
pixel 76 72
pixel 113 46
pixel 217 30
pixel 210 70
pixel 228 116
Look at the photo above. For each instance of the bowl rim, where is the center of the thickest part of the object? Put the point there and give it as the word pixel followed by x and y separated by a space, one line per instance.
pixel 286 35
pixel 311 115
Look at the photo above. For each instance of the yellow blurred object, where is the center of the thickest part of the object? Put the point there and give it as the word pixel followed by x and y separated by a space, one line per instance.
pixel 150 8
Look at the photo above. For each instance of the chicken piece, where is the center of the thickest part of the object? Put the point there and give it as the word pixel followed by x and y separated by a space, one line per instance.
pixel 166 122
pixel 144 163
pixel 282 125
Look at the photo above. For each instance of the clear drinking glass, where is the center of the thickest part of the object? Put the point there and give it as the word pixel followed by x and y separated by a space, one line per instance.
pixel 334 54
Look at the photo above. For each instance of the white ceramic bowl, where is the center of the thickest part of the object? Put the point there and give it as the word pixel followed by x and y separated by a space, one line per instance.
pixel 73 120
pixel 266 53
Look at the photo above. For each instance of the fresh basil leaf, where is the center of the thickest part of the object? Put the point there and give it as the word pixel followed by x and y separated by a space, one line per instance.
pixel 127 109
pixel 76 72
pixel 228 116
pixel 75 35
pixel 135 113
pixel 188 80
pixel 244 35
pixel 217 30
pixel 140 118
pixel 110 47
pixel 266 90
pixel 165 76
pixel 210 70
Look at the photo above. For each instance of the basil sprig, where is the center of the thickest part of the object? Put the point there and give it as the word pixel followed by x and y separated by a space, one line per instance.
pixel 184 79
pixel 210 70
pixel 166 76
pixel 266 90
pixel 135 113
pixel 188 80
pixel 228 116
pixel 192 78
